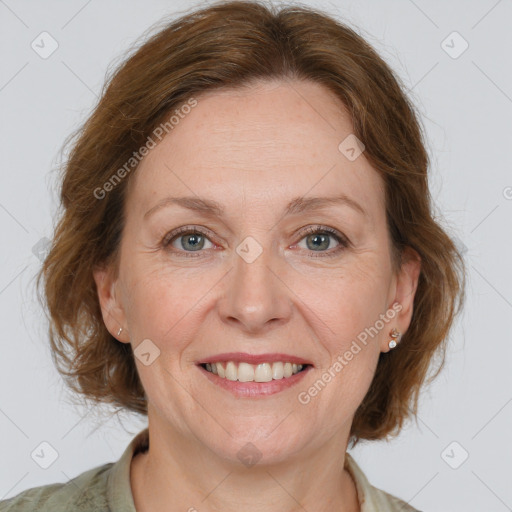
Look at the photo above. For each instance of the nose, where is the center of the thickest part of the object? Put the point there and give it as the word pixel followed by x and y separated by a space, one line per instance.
pixel 256 297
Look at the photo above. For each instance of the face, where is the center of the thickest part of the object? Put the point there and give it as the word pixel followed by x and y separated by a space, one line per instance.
pixel 259 278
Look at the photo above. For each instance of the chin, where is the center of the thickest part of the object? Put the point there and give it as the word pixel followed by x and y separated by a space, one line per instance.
pixel 251 444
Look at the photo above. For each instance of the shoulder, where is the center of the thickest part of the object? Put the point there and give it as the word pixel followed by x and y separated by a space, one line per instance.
pixel 388 502
pixel 373 499
pixel 105 488
pixel 85 493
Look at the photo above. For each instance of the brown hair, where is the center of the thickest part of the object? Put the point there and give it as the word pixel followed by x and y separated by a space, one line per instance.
pixel 228 45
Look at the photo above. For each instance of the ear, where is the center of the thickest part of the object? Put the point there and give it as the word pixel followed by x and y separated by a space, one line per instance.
pixel 112 309
pixel 405 290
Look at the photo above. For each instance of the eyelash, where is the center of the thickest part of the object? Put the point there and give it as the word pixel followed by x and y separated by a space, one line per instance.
pixel 188 230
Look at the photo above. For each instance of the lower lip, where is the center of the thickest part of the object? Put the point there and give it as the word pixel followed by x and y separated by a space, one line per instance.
pixel 255 389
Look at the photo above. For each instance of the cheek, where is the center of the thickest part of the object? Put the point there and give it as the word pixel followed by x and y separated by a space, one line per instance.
pixel 351 306
pixel 351 299
pixel 165 305
pixel 352 343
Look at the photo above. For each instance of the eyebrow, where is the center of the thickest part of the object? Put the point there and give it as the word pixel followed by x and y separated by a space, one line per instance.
pixel 209 207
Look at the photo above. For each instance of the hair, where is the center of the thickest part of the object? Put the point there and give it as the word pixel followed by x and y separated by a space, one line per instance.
pixel 230 45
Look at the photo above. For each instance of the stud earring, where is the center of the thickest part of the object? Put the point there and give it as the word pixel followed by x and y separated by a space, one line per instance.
pixel 396 335
pixel 119 332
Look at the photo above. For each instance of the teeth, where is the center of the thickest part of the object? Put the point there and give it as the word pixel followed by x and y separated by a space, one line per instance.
pixel 245 372
pixel 277 371
pixel 231 371
pixel 263 373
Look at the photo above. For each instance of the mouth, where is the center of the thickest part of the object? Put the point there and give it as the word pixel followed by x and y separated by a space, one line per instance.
pixel 246 372
pixel 251 376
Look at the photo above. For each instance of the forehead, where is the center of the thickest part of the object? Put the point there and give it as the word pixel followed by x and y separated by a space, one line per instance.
pixel 266 143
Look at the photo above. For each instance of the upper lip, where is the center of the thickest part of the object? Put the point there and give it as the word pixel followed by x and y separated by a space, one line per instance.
pixel 239 357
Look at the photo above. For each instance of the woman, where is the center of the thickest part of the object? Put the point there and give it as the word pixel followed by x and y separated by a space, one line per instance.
pixel 247 254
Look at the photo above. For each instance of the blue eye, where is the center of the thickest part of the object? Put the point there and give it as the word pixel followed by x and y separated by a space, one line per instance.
pixel 193 241
pixel 319 236
pixel 191 238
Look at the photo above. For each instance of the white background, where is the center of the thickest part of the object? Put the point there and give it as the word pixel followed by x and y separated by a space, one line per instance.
pixel 466 106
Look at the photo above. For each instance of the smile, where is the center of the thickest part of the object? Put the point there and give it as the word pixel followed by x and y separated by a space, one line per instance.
pixel 273 377
pixel 245 372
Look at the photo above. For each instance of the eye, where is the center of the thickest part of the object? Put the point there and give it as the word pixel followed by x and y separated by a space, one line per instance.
pixel 188 240
pixel 317 239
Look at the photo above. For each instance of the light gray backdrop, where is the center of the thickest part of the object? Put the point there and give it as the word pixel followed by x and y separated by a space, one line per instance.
pixel 465 97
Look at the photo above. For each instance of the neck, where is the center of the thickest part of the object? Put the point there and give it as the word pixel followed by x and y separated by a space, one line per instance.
pixel 178 470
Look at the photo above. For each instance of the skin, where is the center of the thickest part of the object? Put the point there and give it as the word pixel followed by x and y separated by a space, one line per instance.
pixel 253 150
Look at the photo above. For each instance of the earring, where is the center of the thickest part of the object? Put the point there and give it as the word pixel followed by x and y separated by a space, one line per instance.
pixel 396 335
pixel 120 330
